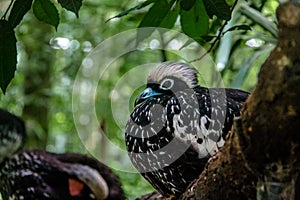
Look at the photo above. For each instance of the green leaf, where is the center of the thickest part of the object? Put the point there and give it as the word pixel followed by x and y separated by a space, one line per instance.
pixel 8 54
pixel 159 15
pixel 217 7
pixel 19 9
pixel 195 22
pixel 156 14
pixel 238 27
pixel 71 5
pixel 171 17
pixel 187 4
pixel 46 12
pixel 126 12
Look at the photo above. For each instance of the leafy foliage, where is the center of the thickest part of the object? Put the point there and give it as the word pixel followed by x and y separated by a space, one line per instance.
pixel 194 21
pixel 137 7
pixel 171 17
pixel 72 5
pixel 187 5
pixel 156 13
pixel 8 54
pixel 194 15
pixel 19 9
pixel 155 16
pixel 45 11
pixel 217 7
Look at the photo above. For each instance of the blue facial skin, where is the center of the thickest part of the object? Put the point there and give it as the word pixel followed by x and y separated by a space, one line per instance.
pixel 146 94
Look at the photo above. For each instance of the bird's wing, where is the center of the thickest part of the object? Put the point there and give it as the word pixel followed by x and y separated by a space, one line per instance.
pixel 239 96
pixel 198 124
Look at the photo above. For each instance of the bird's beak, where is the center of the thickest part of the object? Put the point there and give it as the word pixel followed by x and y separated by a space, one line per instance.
pixel 146 94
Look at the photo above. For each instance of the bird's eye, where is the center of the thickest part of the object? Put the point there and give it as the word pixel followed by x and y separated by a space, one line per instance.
pixel 166 84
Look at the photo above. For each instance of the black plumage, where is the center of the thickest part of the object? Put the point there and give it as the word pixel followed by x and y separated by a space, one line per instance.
pixel 177 125
pixel 37 174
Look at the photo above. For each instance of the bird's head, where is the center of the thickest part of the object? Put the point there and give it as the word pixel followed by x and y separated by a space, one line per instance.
pixel 168 78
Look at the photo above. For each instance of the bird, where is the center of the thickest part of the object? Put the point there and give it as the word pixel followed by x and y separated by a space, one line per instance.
pixel 12 132
pixel 177 125
pixel 38 174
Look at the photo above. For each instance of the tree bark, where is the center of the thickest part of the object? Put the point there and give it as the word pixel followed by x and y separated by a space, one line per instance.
pixel 261 158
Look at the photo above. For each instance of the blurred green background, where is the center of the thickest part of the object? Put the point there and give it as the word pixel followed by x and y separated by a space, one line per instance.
pixel 48 61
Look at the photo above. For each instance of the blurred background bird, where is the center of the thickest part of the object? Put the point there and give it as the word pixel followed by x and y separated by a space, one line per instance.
pixel 177 125
pixel 37 174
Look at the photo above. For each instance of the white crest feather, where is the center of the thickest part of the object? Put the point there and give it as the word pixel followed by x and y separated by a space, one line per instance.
pixel 179 70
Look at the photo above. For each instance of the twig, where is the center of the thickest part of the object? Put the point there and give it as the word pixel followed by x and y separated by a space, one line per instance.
pixel 217 38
